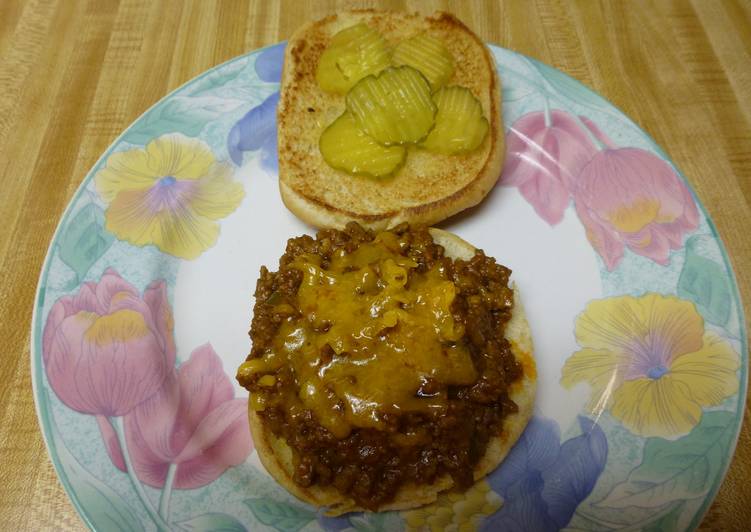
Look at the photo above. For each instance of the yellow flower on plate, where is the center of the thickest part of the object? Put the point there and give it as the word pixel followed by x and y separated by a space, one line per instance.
pixel 650 362
pixel 169 194
pixel 455 512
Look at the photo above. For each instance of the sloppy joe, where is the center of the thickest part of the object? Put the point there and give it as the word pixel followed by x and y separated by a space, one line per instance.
pixel 380 361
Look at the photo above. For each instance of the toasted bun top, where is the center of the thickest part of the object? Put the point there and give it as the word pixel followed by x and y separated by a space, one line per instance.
pixel 430 186
pixel 276 455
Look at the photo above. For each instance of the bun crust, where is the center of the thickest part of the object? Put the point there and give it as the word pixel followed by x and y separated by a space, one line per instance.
pixel 429 187
pixel 276 455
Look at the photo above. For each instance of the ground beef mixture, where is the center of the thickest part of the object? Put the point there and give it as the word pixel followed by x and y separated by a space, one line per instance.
pixel 370 465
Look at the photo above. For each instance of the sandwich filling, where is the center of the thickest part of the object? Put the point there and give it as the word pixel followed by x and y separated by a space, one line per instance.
pixel 380 361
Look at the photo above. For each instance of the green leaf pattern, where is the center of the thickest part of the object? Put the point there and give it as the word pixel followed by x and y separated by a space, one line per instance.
pixel 105 508
pixel 212 522
pixel 376 523
pixel 514 93
pixel 183 114
pixel 706 283
pixel 672 471
pixel 571 89
pixel 281 516
pixel 85 240
pixel 668 521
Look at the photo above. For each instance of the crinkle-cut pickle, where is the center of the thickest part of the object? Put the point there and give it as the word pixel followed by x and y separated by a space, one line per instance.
pixel 394 107
pixel 345 147
pixel 428 55
pixel 460 126
pixel 353 53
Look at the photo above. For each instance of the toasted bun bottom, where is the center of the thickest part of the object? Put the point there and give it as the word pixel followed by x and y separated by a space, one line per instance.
pixel 276 455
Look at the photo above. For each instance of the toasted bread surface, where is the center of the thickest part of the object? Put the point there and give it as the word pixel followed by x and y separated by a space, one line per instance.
pixel 430 186
pixel 276 455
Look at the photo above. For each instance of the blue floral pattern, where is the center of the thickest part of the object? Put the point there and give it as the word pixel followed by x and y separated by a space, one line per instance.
pixel 541 481
pixel 269 63
pixel 256 131
pixel 333 524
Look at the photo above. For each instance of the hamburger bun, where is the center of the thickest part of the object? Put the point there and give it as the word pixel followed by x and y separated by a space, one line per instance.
pixel 430 186
pixel 276 455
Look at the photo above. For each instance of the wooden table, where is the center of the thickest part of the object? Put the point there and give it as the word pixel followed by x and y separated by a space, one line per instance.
pixel 74 74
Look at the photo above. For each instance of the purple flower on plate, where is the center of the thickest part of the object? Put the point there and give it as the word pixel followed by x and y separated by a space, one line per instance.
pixel 107 348
pixel 194 422
pixel 269 63
pixel 256 131
pixel 542 482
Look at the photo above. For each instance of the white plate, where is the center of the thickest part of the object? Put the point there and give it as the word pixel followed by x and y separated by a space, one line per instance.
pixel 144 302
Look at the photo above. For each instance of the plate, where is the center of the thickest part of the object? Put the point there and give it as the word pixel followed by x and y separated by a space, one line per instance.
pixel 144 302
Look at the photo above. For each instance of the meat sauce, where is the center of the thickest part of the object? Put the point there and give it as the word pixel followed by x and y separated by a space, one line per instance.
pixel 380 361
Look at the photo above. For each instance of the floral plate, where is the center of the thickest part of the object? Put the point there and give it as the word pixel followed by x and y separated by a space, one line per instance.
pixel 143 306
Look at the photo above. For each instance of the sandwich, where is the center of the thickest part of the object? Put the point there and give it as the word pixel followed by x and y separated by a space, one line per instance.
pixel 386 367
pixel 385 118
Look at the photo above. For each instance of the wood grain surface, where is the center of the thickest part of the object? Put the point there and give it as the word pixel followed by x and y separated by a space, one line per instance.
pixel 74 74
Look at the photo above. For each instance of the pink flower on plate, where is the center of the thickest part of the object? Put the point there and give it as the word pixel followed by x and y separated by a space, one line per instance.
pixel 628 197
pixel 107 349
pixel 544 158
pixel 194 422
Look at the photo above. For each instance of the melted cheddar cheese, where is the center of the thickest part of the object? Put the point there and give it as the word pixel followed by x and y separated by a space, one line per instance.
pixel 370 332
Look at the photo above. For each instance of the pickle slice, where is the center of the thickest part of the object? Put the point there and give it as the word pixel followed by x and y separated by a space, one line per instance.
pixel 394 107
pixel 428 55
pixel 353 53
pixel 346 147
pixel 460 126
